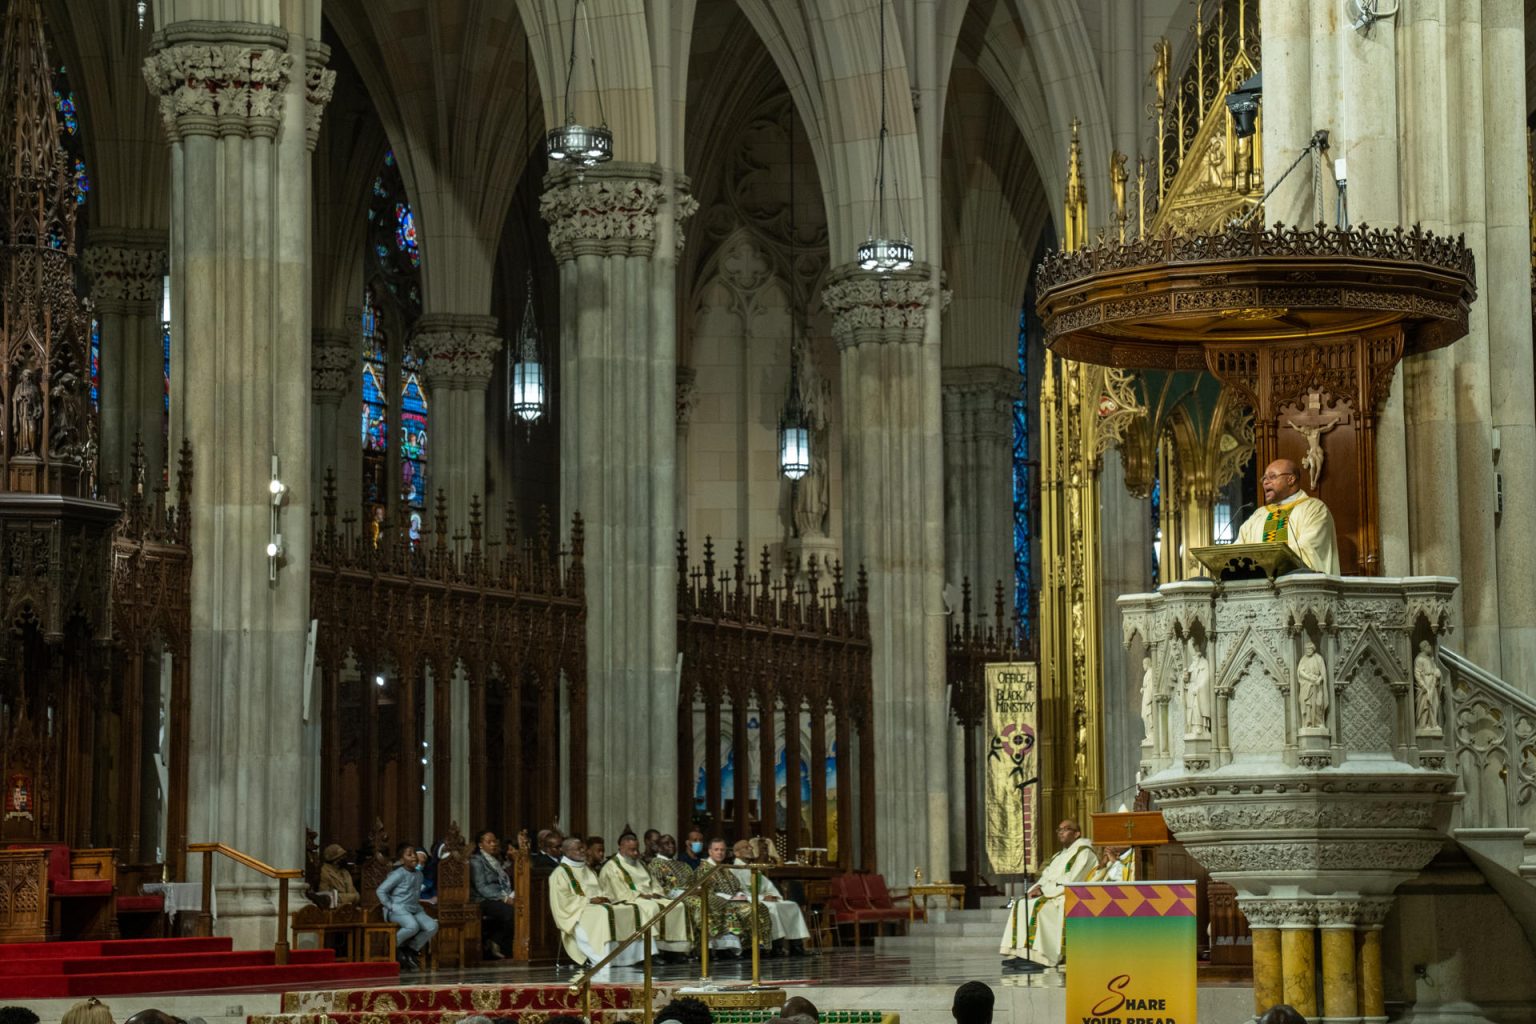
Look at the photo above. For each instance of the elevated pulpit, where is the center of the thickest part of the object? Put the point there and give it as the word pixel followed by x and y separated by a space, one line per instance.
pixel 1304 327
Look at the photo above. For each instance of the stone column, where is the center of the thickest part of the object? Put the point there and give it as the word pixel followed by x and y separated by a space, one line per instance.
pixel 892 488
pixel 459 352
pixel 613 233
pixel 335 363
pixel 1268 977
pixel 127 273
pixel 978 477
pixel 1370 915
pixel 1298 962
pixel 234 111
pixel 1336 922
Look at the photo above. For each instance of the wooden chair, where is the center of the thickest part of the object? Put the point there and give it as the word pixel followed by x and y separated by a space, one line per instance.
pixel 376 933
pixel 458 914
pixel 23 895
pixel 81 891
pixel 140 916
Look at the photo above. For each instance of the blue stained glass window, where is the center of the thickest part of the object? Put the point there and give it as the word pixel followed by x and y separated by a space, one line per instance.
pixel 405 233
pixel 375 425
pixel 1023 486
pixel 69 135
pixel 413 435
pixel 95 364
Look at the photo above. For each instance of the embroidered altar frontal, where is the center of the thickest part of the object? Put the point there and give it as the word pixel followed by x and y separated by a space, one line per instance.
pixel 1132 952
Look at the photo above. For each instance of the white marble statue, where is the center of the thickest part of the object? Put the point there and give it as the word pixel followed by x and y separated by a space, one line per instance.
pixel 1312 462
pixel 1312 688
pixel 1426 687
pixel 1148 701
pixel 1197 695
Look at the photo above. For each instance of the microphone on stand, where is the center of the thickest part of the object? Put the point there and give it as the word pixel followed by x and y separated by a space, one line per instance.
pixel 1235 523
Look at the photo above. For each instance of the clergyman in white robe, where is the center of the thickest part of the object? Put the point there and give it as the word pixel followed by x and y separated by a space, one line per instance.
pixel 784 915
pixel 1293 518
pixel 589 931
pixel 1036 922
pixel 627 880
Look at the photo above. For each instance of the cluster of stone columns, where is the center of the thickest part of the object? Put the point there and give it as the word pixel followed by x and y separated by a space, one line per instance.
pixel 1328 945
pixel 240 103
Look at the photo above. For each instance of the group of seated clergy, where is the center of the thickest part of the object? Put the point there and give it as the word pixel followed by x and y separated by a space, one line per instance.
pixel 596 906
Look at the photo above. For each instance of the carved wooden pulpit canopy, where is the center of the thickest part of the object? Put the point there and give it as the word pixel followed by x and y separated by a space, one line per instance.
pixel 1306 326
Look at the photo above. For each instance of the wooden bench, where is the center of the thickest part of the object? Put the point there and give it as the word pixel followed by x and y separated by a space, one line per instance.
pixel 81 890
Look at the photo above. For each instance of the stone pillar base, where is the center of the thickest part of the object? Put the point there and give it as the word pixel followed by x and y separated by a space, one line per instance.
pixel 824 549
pixel 1314 748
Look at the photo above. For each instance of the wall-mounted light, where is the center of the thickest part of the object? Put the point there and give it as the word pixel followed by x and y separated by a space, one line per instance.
pixel 1243 105
pixel 277 491
pixel 378 681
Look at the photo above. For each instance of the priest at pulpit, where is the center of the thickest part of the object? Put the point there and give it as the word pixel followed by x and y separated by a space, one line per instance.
pixel 1291 517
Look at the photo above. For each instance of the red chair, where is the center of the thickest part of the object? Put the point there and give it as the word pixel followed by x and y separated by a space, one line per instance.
pixel 851 903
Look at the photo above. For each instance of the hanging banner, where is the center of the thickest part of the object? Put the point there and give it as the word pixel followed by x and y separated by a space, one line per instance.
pixel 1012 766
pixel 1133 953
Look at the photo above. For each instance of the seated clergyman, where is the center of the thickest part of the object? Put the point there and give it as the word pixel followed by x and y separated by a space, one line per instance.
pixel 590 924
pixel 1033 937
pixel 788 923
pixel 1291 517
pixel 627 879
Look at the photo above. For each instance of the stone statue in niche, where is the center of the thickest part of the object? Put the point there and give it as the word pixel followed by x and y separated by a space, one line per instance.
pixel 26 411
pixel 1197 694
pixel 812 494
pixel 1312 687
pixel 1427 677
pixel 1148 702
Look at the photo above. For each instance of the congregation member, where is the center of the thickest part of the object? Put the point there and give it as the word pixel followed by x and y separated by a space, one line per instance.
pixel 400 896
pixel 972 1003
pixel 627 879
pixel 1291 517
pixel 652 839
pixel 729 901
pixel 1035 923
pixel 675 876
pixel 547 855
pixel 596 854
pixel 789 931
pixel 692 852
pixel 1116 864
pixel 336 879
pixel 492 889
pixel 590 924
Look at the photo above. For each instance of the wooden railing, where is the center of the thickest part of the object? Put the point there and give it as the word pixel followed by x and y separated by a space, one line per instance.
pixel 279 948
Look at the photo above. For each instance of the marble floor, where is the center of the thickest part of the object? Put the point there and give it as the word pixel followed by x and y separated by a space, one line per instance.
pixel 918 984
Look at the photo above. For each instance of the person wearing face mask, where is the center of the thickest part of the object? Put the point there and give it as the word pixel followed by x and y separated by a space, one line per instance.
pixel 674 875
pixel 693 851
pixel 400 896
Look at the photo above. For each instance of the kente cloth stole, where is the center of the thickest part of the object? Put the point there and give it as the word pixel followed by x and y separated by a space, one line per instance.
pixel 1276 523
pixel 575 885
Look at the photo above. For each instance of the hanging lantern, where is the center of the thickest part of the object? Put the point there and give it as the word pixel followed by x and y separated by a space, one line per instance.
pixel 526 381
pixel 143 9
pixel 574 142
pixel 794 432
pixel 884 252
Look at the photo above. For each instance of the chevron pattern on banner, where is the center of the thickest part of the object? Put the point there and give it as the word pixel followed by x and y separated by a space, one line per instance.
pixel 1136 899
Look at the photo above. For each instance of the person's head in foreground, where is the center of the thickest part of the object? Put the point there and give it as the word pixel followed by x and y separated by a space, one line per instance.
pixel 91 1011
pixel 1281 1013
pixel 973 1003
pixel 17 1015
pixel 686 1011
pixel 800 1007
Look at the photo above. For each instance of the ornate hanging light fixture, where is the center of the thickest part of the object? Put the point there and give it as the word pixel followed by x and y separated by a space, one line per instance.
pixel 795 420
pixel 573 142
pixel 884 252
pixel 525 384
pixel 143 8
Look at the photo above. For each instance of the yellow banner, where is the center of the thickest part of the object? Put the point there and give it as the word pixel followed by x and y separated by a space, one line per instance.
pixel 1012 766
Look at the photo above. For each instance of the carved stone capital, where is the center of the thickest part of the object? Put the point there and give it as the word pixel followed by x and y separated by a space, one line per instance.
pixel 871 308
pixel 125 278
pixel 459 350
pixel 319 86
pixel 1265 912
pixel 1364 911
pixel 220 79
pixel 611 210
pixel 687 394
pixel 333 363
pixel 978 402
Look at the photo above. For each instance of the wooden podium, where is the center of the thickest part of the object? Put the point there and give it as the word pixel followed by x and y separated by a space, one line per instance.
pixel 1139 829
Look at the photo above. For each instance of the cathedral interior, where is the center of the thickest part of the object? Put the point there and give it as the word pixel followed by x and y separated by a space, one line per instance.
pixel 434 414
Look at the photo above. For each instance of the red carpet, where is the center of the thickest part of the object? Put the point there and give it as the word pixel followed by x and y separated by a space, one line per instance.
pixel 432 1000
pixel 40 970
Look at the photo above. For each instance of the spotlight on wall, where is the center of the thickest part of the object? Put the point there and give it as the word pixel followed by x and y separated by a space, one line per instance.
pixel 276 489
pixel 1243 105
pixel 378 681
pixel 1364 14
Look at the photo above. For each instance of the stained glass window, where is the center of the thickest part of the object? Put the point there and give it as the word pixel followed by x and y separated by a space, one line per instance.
pixel 375 422
pixel 394 245
pixel 95 364
pixel 69 131
pixel 413 433
pixel 1023 486
pixel 165 367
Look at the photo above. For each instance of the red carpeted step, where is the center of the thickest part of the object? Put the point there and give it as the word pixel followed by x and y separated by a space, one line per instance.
pixel 437 998
pixel 111 947
pixel 170 979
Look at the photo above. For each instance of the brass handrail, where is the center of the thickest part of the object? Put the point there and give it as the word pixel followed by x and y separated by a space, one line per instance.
pixel 280 947
pixel 582 985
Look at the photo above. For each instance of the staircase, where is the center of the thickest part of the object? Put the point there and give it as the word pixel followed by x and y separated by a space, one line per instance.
pixel 954 933
pixel 42 970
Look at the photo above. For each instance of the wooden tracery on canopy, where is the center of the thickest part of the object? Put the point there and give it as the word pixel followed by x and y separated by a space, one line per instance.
pixel 405 624
pixel 783 657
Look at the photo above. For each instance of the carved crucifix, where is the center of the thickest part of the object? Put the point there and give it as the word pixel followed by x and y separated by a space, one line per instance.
pixel 1312 423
